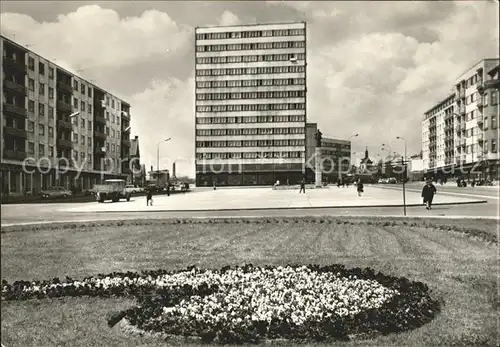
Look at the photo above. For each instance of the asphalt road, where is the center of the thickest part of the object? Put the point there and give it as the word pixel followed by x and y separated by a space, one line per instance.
pixel 48 212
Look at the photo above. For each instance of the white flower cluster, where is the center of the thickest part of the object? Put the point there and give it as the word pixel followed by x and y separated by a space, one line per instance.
pixel 296 295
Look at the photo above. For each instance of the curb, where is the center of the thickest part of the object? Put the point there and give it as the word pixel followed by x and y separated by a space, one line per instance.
pixel 250 216
pixel 285 208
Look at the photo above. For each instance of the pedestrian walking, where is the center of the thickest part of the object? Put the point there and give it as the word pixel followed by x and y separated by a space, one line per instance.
pixel 149 197
pixel 360 188
pixel 302 187
pixel 168 189
pixel 428 193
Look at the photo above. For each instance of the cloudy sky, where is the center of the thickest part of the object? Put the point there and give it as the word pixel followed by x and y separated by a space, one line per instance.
pixel 374 67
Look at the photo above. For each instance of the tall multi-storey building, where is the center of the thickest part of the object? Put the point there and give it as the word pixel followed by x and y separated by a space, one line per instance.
pixel 462 131
pixel 57 128
pixel 250 104
pixel 438 148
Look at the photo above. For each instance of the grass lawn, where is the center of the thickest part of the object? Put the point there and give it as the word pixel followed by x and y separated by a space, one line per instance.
pixel 457 259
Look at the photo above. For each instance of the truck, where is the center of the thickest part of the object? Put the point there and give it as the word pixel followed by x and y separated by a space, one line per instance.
pixel 112 189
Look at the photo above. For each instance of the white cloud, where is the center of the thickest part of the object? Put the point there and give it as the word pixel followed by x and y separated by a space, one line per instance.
pixel 229 18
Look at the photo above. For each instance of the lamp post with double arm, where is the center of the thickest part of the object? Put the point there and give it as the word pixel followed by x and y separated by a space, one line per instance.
pixel 403 162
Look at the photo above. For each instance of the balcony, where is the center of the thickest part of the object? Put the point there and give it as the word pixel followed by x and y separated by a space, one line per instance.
pixel 480 119
pixel 448 161
pixel 99 152
pixel 15 110
pixel 14 65
pixel 479 103
pixel 64 106
pixel 124 127
pixel 448 138
pixel 480 86
pixel 16 132
pixel 64 143
pixel 461 93
pixel 461 142
pixel 61 124
pixel 125 142
pixel 493 83
pixel 64 87
pixel 99 135
pixel 461 110
pixel 99 119
pixel 480 137
pixel 125 114
pixel 14 154
pixel 15 87
pixel 460 127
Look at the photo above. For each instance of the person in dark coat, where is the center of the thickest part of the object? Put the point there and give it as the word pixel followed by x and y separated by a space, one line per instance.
pixel 302 187
pixel 428 193
pixel 360 188
pixel 149 197
pixel 168 189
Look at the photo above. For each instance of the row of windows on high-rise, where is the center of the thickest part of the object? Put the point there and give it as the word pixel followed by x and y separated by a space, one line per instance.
pixel 251 107
pixel 251 143
pixel 41 129
pixel 250 46
pixel 250 58
pixel 251 119
pixel 250 131
pixel 252 95
pixel 250 155
pixel 251 70
pixel 251 83
pixel 250 34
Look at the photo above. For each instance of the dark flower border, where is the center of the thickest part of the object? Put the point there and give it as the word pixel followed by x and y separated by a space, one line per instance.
pixel 411 309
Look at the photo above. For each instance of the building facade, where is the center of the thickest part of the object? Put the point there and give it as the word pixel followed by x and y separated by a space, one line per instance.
pixel 57 129
pixel 460 135
pixel 335 155
pixel 250 106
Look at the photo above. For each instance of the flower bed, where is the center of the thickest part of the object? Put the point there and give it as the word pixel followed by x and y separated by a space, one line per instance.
pixel 251 304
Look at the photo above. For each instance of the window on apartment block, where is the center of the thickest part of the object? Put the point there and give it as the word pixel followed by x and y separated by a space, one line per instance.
pixel 51 132
pixel 107 130
pixel 75 103
pixel 75 138
pixel 472 97
pixel 75 85
pixel 31 147
pixel 493 97
pixel 82 123
pixel 41 129
pixel 41 150
pixel 75 155
pixel 89 92
pixel 82 89
pixel 51 73
pixel 31 106
pixel 89 123
pixel 113 118
pixel 485 123
pixel 493 122
pixel 112 148
pixel 51 93
pixel 89 109
pixel 31 84
pixel 31 126
pixel 41 68
pixel 82 156
pixel 31 63
pixel 493 145
pixel 41 109
pixel 82 139
pixel 112 103
pixel 82 105
pixel 89 141
pixel 41 89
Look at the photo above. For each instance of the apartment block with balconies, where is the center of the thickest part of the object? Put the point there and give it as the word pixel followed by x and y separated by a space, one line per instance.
pixel 438 137
pixel 48 125
pixel 250 104
pixel 470 124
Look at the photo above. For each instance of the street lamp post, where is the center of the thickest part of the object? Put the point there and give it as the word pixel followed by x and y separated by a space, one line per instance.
pixel 403 162
pixel 158 160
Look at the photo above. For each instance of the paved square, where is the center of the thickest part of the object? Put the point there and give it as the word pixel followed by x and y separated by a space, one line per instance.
pixel 265 198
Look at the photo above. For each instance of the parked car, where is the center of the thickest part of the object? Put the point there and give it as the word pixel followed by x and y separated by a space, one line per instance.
pixel 56 192
pixel 113 190
pixel 130 188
